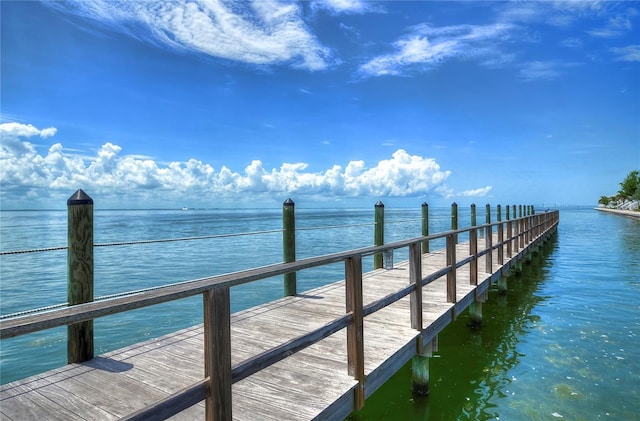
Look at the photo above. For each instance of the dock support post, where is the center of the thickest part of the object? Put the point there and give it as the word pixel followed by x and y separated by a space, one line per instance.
pixel 454 220
pixel 502 285
pixel 420 366
pixel 475 311
pixel 473 215
pixel 425 226
pixel 289 244
pixel 80 273
pixel 378 234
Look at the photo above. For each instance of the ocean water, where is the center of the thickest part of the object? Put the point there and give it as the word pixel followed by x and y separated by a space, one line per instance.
pixel 563 342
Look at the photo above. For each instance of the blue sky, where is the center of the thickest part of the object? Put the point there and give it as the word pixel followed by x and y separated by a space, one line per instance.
pixel 335 103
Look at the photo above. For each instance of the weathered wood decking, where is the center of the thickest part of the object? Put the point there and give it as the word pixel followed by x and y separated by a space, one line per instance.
pixel 311 384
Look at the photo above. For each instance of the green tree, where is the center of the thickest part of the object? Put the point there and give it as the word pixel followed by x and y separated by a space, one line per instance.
pixel 630 186
pixel 604 200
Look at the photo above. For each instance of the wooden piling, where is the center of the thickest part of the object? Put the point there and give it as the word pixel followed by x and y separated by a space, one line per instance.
pixel 454 220
pixel 425 226
pixel 80 273
pixel 420 366
pixel 473 215
pixel 502 284
pixel 378 236
pixel 289 244
pixel 475 314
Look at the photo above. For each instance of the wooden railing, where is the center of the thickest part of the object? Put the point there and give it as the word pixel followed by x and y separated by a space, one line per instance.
pixel 215 388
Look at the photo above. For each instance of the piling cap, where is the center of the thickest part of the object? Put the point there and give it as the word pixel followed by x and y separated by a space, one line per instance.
pixel 79 198
pixel 424 204
pixel 379 204
pixel 288 202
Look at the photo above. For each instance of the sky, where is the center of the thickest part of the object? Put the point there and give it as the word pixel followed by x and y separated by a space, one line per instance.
pixel 334 103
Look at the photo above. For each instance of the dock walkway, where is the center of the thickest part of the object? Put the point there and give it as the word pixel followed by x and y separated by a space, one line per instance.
pixel 313 383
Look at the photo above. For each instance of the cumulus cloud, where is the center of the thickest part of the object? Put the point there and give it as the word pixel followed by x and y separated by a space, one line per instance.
pixel 426 46
pixel 25 172
pixel 258 32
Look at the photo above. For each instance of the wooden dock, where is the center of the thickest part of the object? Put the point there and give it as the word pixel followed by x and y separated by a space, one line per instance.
pixel 316 355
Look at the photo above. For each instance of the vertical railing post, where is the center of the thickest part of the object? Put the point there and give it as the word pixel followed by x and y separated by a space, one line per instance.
pixel 473 248
pixel 80 273
pixel 217 353
pixel 355 330
pixel 489 242
pixel 500 236
pixel 415 277
pixel 527 226
pixel 516 231
pixel 451 263
pixel 509 234
pixel 289 244
pixel 378 234
pixel 425 226
pixel 521 229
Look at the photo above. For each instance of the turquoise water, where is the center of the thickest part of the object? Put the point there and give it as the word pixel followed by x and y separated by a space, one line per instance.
pixel 562 344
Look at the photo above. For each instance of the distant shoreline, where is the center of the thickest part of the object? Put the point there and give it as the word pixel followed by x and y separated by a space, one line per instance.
pixel 629 213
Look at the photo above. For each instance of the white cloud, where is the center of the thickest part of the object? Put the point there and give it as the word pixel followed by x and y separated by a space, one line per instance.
pixel 616 25
pixel 426 46
pixel 345 6
pixel 260 32
pixel 543 70
pixel 628 53
pixel 26 174
pixel 571 42
pixel 483 191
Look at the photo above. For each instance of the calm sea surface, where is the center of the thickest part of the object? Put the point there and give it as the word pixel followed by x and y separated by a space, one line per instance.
pixel 563 343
